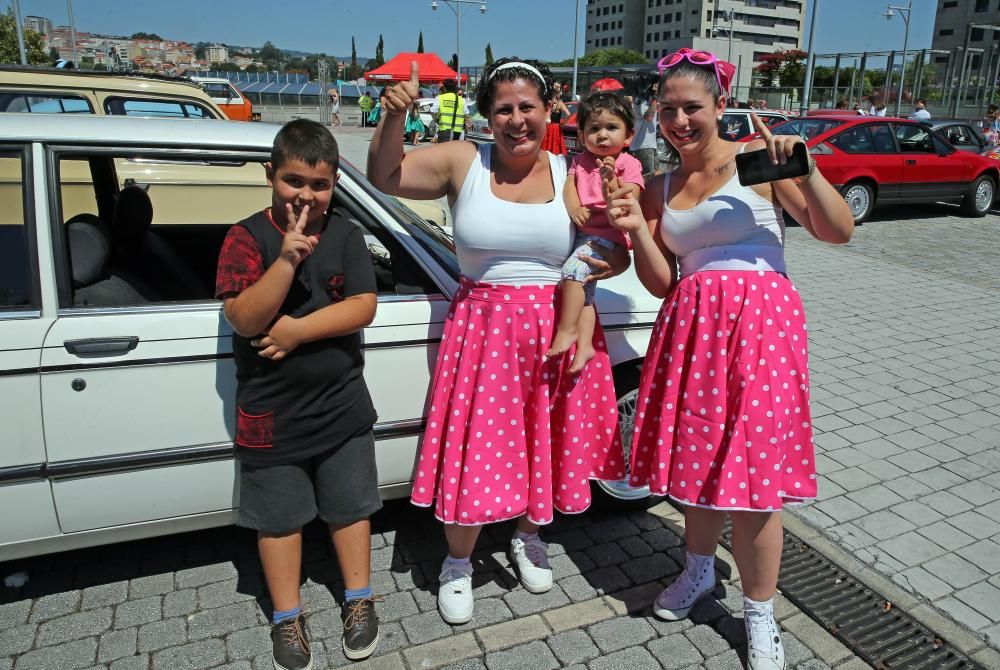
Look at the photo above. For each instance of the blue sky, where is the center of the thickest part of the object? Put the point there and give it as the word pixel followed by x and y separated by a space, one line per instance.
pixel 526 28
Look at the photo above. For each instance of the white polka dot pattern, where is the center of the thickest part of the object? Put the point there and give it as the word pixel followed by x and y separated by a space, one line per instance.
pixel 508 433
pixel 723 414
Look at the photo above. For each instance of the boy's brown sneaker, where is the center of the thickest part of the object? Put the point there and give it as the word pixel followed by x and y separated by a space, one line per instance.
pixel 360 628
pixel 290 647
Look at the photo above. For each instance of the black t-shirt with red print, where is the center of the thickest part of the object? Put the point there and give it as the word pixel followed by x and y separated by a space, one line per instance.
pixel 315 398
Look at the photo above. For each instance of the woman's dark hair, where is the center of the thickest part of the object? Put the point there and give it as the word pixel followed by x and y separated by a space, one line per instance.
pixel 486 90
pixel 876 100
pixel 604 101
pixel 307 141
pixel 704 74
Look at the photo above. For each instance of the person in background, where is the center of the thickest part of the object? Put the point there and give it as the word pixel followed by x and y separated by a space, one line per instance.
pixel 643 145
pixel 554 142
pixel 334 108
pixel 365 104
pixel 877 107
pixel 414 124
pixel 991 125
pixel 841 104
pixel 450 113
pixel 920 112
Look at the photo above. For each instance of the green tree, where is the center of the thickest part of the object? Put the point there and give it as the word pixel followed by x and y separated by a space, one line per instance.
pixel 34 43
pixel 489 55
pixel 53 54
pixel 420 43
pixel 606 57
pixel 380 51
pixel 146 36
pixel 270 55
pixel 784 68
pixel 199 50
pixel 453 62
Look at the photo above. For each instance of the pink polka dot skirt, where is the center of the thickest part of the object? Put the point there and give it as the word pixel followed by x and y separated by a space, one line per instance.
pixel 723 418
pixel 508 432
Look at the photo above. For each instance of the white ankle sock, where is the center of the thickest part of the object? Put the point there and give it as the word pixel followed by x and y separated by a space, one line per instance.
pixel 459 562
pixel 524 537
pixel 758 607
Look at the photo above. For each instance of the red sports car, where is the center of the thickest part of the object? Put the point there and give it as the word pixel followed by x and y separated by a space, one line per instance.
pixel 885 160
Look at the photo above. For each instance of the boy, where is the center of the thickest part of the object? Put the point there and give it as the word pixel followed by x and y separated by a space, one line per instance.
pixel 297 287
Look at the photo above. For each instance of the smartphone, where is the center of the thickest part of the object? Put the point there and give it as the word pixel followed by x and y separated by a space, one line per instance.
pixel 754 167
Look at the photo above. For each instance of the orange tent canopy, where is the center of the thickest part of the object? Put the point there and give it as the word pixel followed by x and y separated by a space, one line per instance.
pixel 432 68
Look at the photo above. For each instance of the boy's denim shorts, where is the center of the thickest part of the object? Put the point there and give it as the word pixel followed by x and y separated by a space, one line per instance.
pixel 577 270
pixel 340 486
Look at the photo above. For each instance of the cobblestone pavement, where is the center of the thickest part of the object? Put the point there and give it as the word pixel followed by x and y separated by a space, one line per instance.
pixel 905 358
pixel 197 601
pixel 906 370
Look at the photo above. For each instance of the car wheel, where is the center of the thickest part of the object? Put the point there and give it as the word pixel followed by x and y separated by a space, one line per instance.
pixel 860 198
pixel 979 198
pixel 618 495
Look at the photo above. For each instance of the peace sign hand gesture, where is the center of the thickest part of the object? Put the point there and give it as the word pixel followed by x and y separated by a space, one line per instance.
pixel 400 96
pixel 780 147
pixel 296 245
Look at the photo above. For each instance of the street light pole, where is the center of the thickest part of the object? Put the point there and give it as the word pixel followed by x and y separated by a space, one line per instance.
pixel 576 36
pixel 19 28
pixel 906 39
pixel 729 18
pixel 459 7
pixel 807 87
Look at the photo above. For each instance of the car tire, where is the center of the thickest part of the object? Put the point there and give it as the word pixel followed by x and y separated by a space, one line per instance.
pixel 860 197
pixel 618 495
pixel 979 197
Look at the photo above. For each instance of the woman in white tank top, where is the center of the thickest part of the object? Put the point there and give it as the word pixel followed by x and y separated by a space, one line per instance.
pixel 723 417
pixel 508 432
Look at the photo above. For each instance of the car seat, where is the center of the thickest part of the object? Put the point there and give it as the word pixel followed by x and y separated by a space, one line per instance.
pixel 144 253
pixel 95 281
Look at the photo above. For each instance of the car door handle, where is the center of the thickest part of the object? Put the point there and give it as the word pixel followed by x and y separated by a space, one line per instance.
pixel 911 161
pixel 101 346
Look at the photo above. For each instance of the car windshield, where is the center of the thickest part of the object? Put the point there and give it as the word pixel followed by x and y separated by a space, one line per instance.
pixel 807 128
pixel 432 237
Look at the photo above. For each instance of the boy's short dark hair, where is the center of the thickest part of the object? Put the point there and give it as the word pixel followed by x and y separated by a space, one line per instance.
pixel 307 141
pixel 450 86
pixel 604 101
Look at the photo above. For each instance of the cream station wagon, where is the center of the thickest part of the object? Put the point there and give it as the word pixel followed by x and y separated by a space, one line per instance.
pixel 116 365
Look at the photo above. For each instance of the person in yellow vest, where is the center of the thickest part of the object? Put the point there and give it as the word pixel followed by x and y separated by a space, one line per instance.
pixel 450 112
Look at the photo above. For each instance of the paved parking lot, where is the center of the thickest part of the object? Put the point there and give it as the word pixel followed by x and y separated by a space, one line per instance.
pixel 906 399
pixel 906 391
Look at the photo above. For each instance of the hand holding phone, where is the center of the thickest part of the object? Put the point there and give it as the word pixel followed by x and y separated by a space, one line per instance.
pixel 785 157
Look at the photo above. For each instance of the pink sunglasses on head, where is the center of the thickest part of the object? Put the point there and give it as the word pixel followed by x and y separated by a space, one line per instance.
pixel 699 58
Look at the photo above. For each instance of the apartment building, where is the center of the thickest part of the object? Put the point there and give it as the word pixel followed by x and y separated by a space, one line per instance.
pixel 657 27
pixel 39 24
pixel 217 53
pixel 951 21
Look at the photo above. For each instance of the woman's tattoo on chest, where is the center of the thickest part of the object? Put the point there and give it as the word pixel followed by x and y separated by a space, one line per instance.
pixel 723 169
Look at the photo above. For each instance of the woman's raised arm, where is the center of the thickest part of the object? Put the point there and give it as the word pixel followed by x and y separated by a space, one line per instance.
pixel 422 175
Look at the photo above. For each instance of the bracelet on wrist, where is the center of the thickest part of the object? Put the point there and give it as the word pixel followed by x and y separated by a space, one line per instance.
pixel 798 181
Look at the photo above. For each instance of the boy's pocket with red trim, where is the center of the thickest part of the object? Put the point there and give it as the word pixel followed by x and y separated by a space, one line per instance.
pixel 335 288
pixel 255 431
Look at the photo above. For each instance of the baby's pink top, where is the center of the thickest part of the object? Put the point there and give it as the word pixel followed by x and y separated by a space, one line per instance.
pixel 586 170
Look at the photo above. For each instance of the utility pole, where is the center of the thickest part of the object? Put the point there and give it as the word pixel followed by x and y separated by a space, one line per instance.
pixel 807 87
pixel 20 31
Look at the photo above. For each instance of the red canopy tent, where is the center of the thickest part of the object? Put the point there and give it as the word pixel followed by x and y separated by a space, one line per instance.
pixel 432 69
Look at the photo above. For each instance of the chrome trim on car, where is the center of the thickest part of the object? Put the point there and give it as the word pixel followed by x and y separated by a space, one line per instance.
pixel 627 326
pixel 22 473
pixel 389 429
pixel 102 465
pixel 416 297
pixel 20 316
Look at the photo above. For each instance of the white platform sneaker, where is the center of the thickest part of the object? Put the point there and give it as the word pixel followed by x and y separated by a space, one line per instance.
pixel 694 583
pixel 764 649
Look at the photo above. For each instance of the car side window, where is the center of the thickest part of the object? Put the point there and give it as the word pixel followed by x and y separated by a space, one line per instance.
pixel 44 103
pixel 171 109
pixel 959 136
pixel 914 139
pixel 17 278
pixel 734 126
pixel 882 138
pixel 857 140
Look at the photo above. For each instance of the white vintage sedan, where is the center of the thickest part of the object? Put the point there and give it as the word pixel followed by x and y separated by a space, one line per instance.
pixel 116 364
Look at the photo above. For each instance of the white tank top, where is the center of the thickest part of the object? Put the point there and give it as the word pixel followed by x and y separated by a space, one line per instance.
pixel 504 242
pixel 735 228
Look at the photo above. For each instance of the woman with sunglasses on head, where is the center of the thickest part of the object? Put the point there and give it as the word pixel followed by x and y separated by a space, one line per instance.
pixel 510 435
pixel 723 422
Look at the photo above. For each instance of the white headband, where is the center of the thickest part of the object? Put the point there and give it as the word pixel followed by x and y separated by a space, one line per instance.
pixel 518 64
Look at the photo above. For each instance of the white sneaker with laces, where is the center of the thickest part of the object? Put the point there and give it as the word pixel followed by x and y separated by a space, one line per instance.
pixel 694 583
pixel 455 593
pixel 532 564
pixel 764 648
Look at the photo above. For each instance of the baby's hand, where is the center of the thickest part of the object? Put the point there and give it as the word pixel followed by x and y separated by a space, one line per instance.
pixel 611 181
pixel 580 216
